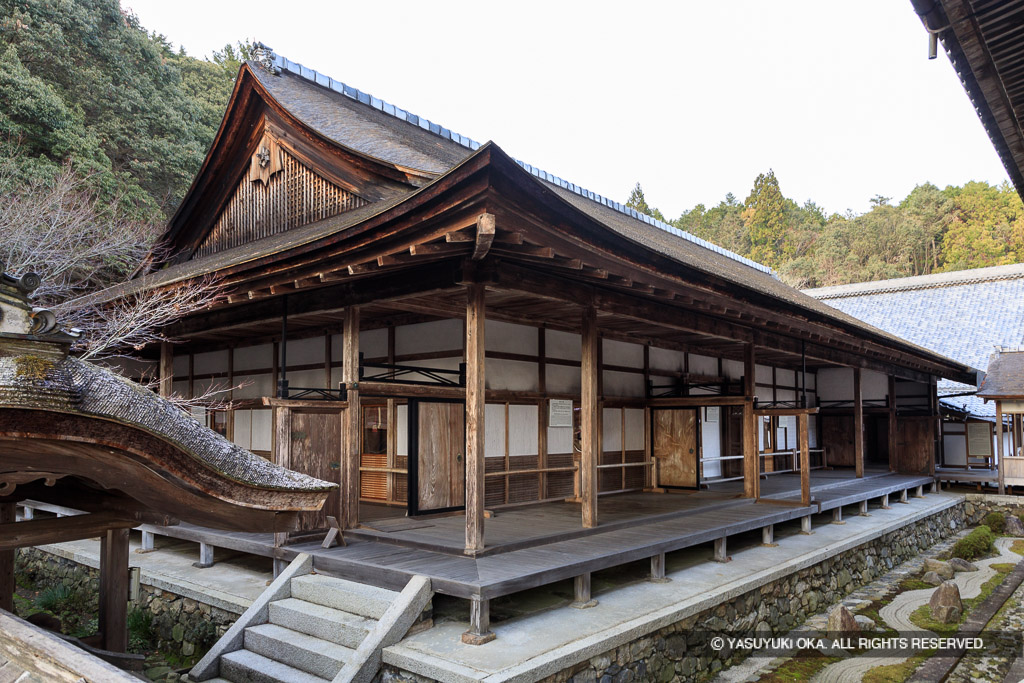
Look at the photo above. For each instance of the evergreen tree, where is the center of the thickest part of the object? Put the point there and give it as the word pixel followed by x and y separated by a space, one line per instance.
pixel 764 219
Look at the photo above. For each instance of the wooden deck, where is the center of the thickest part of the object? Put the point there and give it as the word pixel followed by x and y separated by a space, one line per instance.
pixel 966 476
pixel 542 544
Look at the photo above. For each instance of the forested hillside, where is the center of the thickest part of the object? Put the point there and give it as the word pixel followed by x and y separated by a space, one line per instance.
pixel 82 83
pixel 928 231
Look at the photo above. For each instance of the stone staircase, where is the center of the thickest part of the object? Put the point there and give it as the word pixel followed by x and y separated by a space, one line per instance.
pixel 313 628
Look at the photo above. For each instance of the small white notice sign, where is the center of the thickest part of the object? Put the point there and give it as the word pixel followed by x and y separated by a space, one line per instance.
pixel 560 412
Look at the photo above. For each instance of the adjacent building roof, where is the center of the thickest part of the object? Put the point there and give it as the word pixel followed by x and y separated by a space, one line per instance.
pixel 964 315
pixel 1005 377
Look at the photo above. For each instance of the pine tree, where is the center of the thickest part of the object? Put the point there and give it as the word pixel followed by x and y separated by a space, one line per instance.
pixel 765 220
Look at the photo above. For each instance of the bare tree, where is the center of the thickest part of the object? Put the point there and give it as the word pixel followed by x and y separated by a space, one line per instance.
pixel 80 243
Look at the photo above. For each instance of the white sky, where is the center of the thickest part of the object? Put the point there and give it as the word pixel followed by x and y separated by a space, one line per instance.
pixel 692 99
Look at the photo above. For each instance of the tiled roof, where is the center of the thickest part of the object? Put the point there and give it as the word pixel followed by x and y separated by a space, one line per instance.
pixel 964 315
pixel 321 117
pixel 1005 375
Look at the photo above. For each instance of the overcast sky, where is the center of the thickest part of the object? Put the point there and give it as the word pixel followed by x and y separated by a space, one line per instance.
pixel 692 99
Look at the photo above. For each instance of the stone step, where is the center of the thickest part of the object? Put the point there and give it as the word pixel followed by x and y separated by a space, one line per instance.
pixel 298 650
pixel 321 622
pixel 348 596
pixel 243 666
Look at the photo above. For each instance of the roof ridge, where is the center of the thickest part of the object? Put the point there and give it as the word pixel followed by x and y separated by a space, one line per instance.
pixel 282 63
pixel 955 278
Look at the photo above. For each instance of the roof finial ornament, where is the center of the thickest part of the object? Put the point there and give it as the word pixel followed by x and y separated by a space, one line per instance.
pixel 263 55
pixel 17 314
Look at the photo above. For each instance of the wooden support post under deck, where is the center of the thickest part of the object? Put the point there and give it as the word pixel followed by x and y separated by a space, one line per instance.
pixel 589 418
pixel 885 502
pixel 751 466
pixel 28 513
pixel 475 393
pixel 581 591
pixel 858 424
pixel 1000 470
pixel 864 509
pixel 166 369
pixel 919 491
pixel 114 582
pixel 768 536
pixel 805 459
pixel 658 569
pixel 205 556
pixel 479 622
pixel 903 496
pixel 837 515
pixel 353 428
pixel 805 525
pixel 936 486
pixel 148 542
pixel 721 550
pixel 7 515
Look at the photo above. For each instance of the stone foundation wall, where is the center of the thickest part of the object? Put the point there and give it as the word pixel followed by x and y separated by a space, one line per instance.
pixel 681 651
pixel 183 626
pixel 980 504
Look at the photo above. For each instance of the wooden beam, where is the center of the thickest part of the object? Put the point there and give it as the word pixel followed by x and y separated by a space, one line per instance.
pixel 61 529
pixel 166 369
pixel 805 459
pixel 484 236
pixel 113 618
pixel 7 516
pixel 590 424
pixel 892 423
pixel 858 424
pixel 1000 465
pixel 479 622
pixel 475 406
pixel 351 450
pixel 751 467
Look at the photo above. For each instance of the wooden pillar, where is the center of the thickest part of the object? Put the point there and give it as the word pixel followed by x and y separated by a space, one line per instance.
pixel 581 591
pixel 351 446
pixel 479 622
pixel 590 437
pixel 858 424
pixel 658 569
pixel 114 582
pixel 7 516
pixel 837 515
pixel 768 536
pixel 1000 470
pixel 803 441
pixel 148 542
pixel 475 388
pixel 751 466
pixel 903 497
pixel 864 509
pixel 166 369
pixel 721 550
pixel 892 424
pixel 805 525
pixel 205 556
pixel 885 502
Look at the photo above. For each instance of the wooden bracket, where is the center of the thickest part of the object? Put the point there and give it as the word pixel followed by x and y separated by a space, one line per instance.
pixel 484 236
pixel 334 534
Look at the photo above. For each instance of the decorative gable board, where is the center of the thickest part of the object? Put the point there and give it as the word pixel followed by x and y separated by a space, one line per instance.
pixel 278 193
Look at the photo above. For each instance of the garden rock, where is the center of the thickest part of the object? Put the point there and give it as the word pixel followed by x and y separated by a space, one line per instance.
pixel 1014 527
pixel 841 621
pixel 865 623
pixel 941 568
pixel 960 565
pixel 932 578
pixel 945 603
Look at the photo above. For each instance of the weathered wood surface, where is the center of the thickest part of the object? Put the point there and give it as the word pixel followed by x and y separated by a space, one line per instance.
pixel 113 612
pixel 351 451
pixel 590 417
pixel 751 459
pixel 315 449
pixel 858 423
pixel 7 516
pixel 475 402
pixel 675 446
pixel 441 468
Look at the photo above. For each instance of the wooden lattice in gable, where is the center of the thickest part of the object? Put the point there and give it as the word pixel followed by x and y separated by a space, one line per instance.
pixel 277 194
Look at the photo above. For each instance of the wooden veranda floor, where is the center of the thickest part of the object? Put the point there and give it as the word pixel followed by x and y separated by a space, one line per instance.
pixel 537 545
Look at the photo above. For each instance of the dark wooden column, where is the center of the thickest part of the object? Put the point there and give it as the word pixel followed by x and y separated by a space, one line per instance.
pixel 350 440
pixel 166 369
pixel 999 448
pixel 892 423
pixel 858 424
pixel 589 418
pixel 475 408
pixel 751 466
pixel 114 590
pixel 803 440
pixel 7 563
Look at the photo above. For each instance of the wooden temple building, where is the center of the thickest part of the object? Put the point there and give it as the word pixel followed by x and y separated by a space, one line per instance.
pixel 79 436
pixel 455 336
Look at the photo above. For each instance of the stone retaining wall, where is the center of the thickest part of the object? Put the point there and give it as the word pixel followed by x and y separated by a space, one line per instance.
pixel 183 626
pixel 980 504
pixel 681 651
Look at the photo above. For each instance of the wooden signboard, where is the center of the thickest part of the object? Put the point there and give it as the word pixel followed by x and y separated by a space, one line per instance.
pixel 979 439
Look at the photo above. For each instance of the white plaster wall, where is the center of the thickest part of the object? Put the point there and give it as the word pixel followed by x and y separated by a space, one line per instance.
pixel 835 384
pixel 620 353
pixel 732 369
pixel 623 384
pixel 512 375
pixel 181 365
pixel 562 379
pixel 262 429
pixel 666 359
pixel 243 428
pixel 210 362
pixel 611 429
pixel 559 439
pixel 402 429
pixel 955 445
pixel 254 386
pixel 705 365
pixel 873 385
pixel 438 335
pixel 786 378
pixel 494 430
pixel 259 357
pixel 711 443
pixel 763 374
pixel 372 344
pixel 522 430
pixel 634 429
pixel 565 345
pixel 510 338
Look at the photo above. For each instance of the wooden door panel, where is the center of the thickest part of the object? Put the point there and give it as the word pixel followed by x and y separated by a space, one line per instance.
pixel 316 451
pixel 675 446
pixel 837 436
pixel 441 433
pixel 914 445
